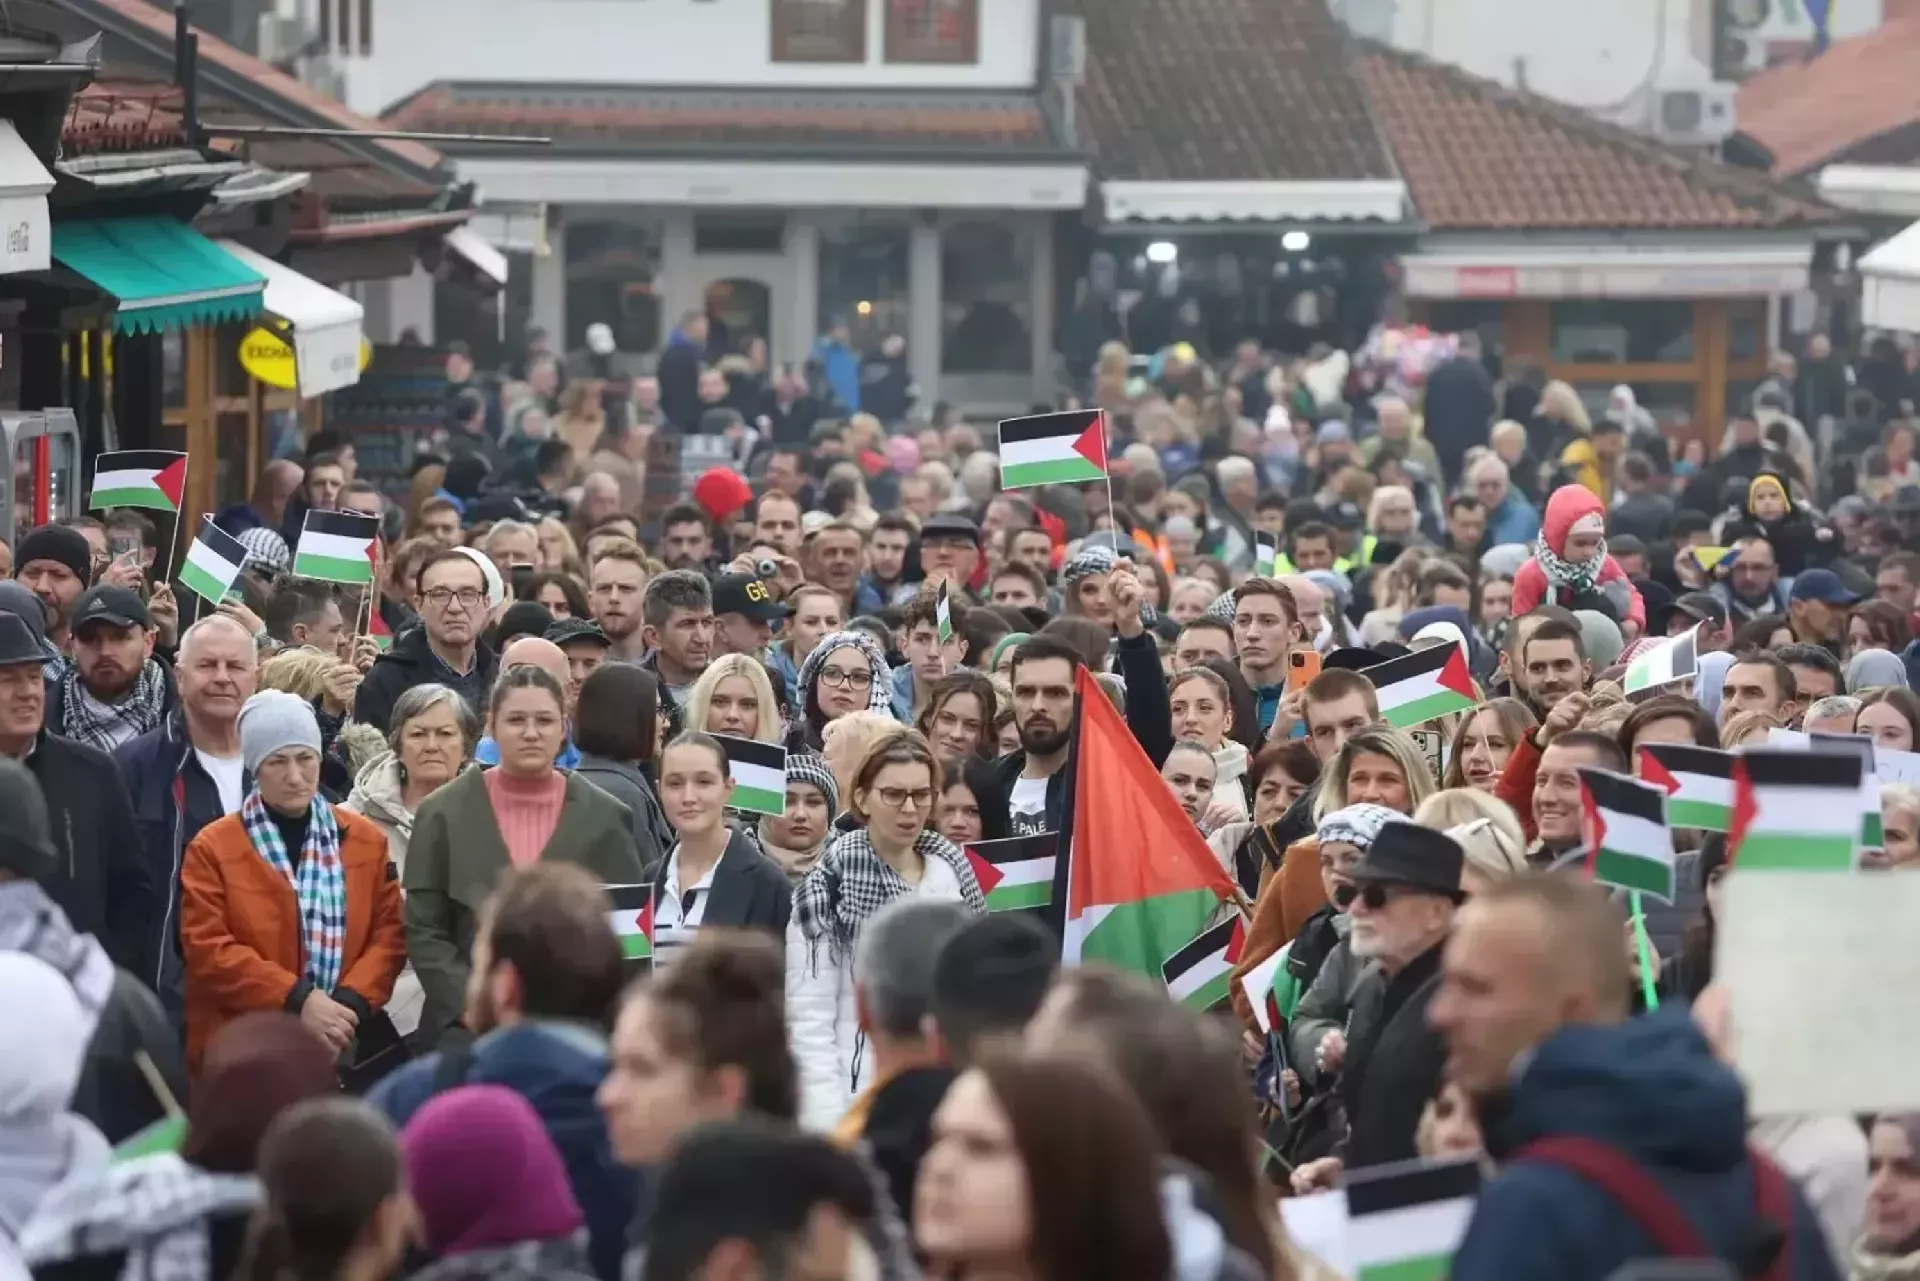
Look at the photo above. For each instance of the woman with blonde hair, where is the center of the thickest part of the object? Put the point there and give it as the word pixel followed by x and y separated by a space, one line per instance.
pixel 1747 728
pixel 734 696
pixel 558 552
pixel 1488 831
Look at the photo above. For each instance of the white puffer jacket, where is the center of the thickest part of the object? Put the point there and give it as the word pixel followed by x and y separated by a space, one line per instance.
pixel 823 1024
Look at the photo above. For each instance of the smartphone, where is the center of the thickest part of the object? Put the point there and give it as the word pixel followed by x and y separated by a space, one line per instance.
pixel 520 574
pixel 123 545
pixel 1302 666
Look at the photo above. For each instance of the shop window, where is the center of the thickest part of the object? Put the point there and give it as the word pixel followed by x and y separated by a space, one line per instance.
pixel 946 31
pixel 737 311
pixel 1610 332
pixel 985 320
pixel 863 281
pixel 1746 331
pixel 749 233
pixel 819 30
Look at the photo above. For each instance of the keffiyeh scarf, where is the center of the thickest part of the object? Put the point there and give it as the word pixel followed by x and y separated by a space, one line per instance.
pixel 851 882
pixel 105 725
pixel 879 694
pixel 320 884
pixel 1573 576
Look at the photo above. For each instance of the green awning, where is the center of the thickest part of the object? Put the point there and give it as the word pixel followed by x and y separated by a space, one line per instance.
pixel 163 272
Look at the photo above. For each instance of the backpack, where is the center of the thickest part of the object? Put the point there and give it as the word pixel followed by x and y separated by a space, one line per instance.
pixel 1766 1254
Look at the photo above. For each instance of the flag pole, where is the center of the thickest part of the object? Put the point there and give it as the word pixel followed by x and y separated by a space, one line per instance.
pixel 1644 946
pixel 1106 466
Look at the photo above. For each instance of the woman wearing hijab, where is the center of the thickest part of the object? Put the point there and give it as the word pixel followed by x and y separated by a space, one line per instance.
pixel 1570 565
pixel 798 836
pixel 290 904
pixel 1799 539
pixel 846 672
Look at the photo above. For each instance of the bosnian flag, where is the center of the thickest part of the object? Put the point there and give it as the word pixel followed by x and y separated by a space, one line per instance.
pixel 1698 782
pixel 1201 973
pixel 1796 811
pixel 1427 683
pixel 1016 874
pixel 150 478
pixel 759 774
pixel 1628 843
pixel 631 916
pixel 1664 665
pixel 1053 449
pixel 1406 1218
pixel 337 547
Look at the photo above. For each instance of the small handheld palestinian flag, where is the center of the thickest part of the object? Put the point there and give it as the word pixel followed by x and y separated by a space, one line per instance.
pixel 1698 782
pixel 381 633
pixel 1665 665
pixel 1628 843
pixel 1872 835
pixel 759 774
pixel 1016 874
pixel 1795 811
pixel 1262 987
pixel 1406 1218
pixel 631 916
pixel 337 547
pixel 1266 560
pixel 213 563
pixel 1053 449
pixel 943 613
pixel 1427 683
pixel 1200 975
pixel 164 1135
pixel 149 478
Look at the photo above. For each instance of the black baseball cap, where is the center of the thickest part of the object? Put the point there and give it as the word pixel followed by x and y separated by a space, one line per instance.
pixel 744 594
pixel 1824 586
pixel 120 606
pixel 1702 607
pixel 565 631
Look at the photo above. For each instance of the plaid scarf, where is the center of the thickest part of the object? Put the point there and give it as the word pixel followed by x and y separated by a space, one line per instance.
pixel 95 723
pixel 320 885
pixel 851 882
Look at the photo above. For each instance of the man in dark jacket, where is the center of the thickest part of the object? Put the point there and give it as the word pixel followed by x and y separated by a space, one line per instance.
pixel 451 595
pixel 1534 1008
pixel 886 384
pixel 188 773
pixel 546 969
pixel 679 371
pixel 99 880
pixel 1459 407
pixel 115 689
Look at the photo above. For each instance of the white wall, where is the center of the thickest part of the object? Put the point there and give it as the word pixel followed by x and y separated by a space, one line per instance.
pixel 651 42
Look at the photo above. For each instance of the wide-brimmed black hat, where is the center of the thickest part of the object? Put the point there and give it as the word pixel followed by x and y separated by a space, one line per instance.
pixel 17 643
pixel 1422 858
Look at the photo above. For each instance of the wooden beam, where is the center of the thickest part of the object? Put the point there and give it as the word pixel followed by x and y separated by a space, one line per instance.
pixel 202 442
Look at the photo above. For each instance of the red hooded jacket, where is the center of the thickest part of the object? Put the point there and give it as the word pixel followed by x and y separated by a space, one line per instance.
pixel 1531 589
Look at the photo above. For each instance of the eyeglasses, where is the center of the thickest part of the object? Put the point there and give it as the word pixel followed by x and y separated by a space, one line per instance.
pixel 441 597
pixel 861 679
pixel 898 797
pixel 1375 894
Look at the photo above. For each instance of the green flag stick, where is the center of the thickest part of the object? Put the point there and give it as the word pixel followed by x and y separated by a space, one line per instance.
pixel 1647 977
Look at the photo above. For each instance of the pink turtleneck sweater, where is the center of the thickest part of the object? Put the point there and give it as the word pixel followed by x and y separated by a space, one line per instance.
pixel 527 810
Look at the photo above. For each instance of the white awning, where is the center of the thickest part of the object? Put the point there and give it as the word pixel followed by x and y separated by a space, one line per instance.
pixel 26 235
pixel 1886 190
pixel 1370 200
pixel 483 257
pixel 1890 283
pixel 327 325
pixel 1521 270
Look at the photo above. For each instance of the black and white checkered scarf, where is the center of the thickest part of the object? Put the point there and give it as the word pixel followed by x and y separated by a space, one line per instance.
pixel 851 882
pixel 95 723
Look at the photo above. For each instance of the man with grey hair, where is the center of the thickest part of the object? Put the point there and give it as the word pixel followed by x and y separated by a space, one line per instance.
pixel 676 622
pixel 1834 714
pixel 893 968
pixel 510 544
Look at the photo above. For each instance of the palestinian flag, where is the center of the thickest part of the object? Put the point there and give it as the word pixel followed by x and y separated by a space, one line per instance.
pixel 1266 560
pixel 1262 987
pixel 1628 843
pixel 213 563
pixel 632 919
pixel 759 774
pixel 1405 1219
pixel 1053 449
pixel 1427 683
pixel 381 633
pixel 1200 974
pixel 149 478
pixel 1664 665
pixel 337 547
pixel 1795 811
pixel 1016 874
pixel 943 614
pixel 1872 835
pixel 1137 881
pixel 1698 782
pixel 164 1135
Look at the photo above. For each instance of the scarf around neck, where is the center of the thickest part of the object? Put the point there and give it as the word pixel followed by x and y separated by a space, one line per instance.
pixel 95 723
pixel 851 882
pixel 319 883
pixel 1573 576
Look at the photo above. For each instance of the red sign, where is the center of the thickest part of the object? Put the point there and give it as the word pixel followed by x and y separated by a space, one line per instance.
pixel 1486 282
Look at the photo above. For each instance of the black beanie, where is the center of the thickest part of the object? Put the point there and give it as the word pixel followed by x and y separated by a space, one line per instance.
pixel 60 545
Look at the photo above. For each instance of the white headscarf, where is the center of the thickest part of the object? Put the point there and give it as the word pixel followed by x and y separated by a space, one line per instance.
pixel 41 1143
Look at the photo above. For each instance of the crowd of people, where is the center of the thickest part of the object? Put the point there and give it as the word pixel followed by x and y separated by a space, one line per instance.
pixel 453 956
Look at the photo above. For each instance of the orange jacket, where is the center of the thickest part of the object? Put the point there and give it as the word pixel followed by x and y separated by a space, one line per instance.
pixel 1287 898
pixel 242 938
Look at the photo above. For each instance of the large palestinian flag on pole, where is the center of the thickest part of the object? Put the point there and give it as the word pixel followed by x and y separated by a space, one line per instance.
pixel 1427 683
pixel 1053 449
pixel 337 547
pixel 1795 811
pixel 149 478
pixel 1628 842
pixel 1698 782
pixel 1138 883
pixel 1201 973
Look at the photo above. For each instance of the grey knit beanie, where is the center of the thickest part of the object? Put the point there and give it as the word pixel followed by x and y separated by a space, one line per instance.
pixel 272 720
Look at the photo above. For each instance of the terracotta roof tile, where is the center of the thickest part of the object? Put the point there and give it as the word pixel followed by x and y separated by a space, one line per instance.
pixel 1813 113
pixel 1479 156
pixel 641 118
pixel 1226 90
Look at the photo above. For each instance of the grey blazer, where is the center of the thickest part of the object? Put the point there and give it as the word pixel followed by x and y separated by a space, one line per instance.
pixel 455 860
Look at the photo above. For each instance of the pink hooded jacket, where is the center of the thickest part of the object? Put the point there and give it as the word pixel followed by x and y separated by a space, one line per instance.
pixel 1531 589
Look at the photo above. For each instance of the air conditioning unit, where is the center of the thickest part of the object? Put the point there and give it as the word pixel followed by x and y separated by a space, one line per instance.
pixel 280 40
pixel 1696 116
pixel 1069 48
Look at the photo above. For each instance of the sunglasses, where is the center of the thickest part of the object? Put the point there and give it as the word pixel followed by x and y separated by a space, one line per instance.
pixel 1375 894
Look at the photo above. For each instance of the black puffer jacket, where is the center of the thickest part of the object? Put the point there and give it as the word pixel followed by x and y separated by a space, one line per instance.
pixel 412 662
